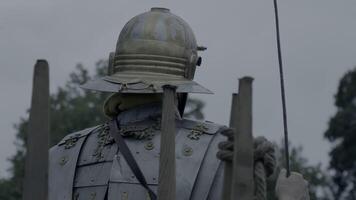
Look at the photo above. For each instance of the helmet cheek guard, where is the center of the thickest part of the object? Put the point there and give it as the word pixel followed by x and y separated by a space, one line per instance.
pixel 190 70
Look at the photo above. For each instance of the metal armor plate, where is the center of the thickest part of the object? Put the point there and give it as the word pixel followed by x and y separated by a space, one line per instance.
pixel 96 170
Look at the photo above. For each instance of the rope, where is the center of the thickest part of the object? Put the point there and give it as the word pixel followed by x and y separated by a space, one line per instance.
pixel 260 182
pixel 226 148
pixel 265 163
pixel 264 159
pixel 265 153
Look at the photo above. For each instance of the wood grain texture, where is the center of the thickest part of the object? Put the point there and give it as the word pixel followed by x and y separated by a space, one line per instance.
pixel 228 167
pixel 36 168
pixel 167 164
pixel 242 183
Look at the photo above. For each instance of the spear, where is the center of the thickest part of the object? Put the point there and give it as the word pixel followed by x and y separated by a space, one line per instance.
pixel 283 96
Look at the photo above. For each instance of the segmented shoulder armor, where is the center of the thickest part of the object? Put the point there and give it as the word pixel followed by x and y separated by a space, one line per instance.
pixel 88 164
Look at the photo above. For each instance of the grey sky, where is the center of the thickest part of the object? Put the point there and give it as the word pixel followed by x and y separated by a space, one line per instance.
pixel 318 41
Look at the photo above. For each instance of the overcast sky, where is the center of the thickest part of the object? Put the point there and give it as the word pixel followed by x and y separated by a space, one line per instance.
pixel 318 42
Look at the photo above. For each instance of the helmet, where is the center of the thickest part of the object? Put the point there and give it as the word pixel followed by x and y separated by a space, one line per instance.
pixel 154 48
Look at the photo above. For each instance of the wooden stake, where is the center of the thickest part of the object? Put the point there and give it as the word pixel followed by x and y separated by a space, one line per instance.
pixel 228 167
pixel 36 167
pixel 167 161
pixel 242 182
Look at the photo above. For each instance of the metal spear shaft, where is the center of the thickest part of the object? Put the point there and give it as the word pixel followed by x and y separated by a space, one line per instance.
pixel 280 61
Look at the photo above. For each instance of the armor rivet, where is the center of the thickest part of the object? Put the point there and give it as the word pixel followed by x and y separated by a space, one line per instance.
pixel 69 143
pixel 149 146
pixel 148 196
pixel 63 160
pixel 188 151
pixel 124 196
pixel 197 131
pixel 93 195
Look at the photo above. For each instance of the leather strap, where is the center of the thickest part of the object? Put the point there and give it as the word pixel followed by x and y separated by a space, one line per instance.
pixel 114 131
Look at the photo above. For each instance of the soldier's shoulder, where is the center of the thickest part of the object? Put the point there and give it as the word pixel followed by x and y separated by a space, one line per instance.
pixel 206 127
pixel 63 160
pixel 69 140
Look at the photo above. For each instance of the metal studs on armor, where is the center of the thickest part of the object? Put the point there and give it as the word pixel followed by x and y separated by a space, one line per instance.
pixel 187 151
pixel 70 142
pixel 63 160
pixel 149 146
pixel 138 132
pixel 148 196
pixel 98 154
pixel 124 196
pixel 197 131
pixel 104 138
pixel 92 195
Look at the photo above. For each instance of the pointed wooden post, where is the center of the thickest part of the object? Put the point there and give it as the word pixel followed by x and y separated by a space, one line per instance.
pixel 228 167
pixel 242 182
pixel 36 167
pixel 167 161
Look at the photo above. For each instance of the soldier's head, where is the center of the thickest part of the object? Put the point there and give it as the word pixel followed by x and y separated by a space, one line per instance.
pixel 154 48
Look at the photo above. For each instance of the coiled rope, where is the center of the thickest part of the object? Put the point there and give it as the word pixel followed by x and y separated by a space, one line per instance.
pixel 265 163
pixel 264 159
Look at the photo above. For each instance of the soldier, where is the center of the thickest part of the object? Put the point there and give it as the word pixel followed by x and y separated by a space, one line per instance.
pixel 154 49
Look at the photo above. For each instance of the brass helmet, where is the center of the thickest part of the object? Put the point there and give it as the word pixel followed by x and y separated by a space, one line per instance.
pixel 154 48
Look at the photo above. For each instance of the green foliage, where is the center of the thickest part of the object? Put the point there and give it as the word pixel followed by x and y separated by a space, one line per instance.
pixel 342 134
pixel 74 109
pixel 71 109
pixel 8 191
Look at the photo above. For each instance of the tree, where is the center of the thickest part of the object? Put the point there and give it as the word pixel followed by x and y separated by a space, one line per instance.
pixel 71 109
pixel 342 134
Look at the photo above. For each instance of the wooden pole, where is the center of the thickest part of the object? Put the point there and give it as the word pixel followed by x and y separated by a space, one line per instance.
pixel 36 166
pixel 242 182
pixel 167 161
pixel 228 167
